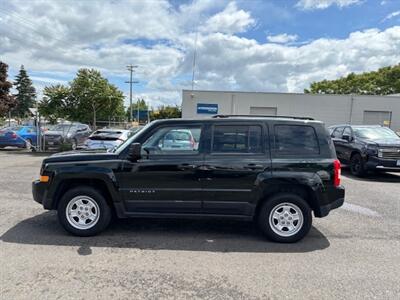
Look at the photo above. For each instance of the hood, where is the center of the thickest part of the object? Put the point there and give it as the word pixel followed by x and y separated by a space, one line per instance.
pixel 72 156
pixel 385 142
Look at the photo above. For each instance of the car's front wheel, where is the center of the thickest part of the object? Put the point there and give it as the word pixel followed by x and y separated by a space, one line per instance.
pixel 357 167
pixel 285 218
pixel 83 211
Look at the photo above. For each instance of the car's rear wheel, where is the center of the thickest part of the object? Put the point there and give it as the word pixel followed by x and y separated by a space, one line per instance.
pixel 83 211
pixel 357 167
pixel 285 218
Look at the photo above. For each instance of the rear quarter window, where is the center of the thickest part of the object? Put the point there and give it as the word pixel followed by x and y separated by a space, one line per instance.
pixel 295 140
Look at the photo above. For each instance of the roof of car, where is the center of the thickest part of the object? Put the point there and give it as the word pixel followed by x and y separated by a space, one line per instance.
pixel 238 118
pixel 352 125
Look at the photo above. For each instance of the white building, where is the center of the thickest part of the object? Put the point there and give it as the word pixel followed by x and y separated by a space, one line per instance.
pixel 331 109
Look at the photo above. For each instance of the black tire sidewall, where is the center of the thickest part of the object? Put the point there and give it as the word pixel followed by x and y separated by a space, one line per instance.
pixel 105 211
pixel 361 171
pixel 263 217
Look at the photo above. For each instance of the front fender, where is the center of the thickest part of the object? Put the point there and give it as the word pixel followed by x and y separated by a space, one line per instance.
pixel 78 174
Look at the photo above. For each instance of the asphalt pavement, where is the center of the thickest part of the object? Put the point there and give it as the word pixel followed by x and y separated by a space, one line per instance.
pixel 351 254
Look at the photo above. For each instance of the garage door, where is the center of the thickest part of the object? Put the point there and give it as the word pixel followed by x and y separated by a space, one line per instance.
pixel 377 117
pixel 263 111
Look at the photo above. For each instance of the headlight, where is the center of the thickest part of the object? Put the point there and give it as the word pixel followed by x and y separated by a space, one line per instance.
pixel 372 149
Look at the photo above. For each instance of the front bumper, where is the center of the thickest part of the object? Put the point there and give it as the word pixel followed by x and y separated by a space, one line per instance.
pixel 376 163
pixel 39 191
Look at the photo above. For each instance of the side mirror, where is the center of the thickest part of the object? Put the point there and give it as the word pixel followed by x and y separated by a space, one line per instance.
pixel 347 138
pixel 135 151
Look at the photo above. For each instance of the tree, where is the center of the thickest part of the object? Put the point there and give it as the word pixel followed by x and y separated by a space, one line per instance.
pixel 7 101
pixel 93 97
pixel 88 98
pixel 55 103
pixel 385 81
pixel 26 94
pixel 166 112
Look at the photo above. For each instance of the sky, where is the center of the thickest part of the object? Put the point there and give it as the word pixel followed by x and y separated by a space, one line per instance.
pixel 244 45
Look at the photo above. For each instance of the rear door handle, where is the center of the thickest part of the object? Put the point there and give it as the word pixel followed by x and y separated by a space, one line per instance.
pixel 185 167
pixel 206 168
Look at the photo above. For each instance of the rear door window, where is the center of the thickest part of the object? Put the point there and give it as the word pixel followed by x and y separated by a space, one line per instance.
pixel 295 140
pixel 237 139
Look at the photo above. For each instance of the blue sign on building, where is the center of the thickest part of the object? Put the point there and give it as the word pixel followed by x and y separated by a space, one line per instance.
pixel 207 108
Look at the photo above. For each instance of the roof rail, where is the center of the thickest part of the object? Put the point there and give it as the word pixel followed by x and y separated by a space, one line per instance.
pixel 262 116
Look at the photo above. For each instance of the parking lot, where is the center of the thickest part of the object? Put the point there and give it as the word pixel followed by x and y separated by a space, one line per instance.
pixel 353 253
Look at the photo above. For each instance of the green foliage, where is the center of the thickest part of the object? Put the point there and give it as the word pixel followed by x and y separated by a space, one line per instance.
pixel 166 112
pixel 55 103
pixel 7 101
pixel 26 94
pixel 88 98
pixel 385 81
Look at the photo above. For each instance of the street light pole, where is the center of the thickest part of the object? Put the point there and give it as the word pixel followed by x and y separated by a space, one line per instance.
pixel 130 68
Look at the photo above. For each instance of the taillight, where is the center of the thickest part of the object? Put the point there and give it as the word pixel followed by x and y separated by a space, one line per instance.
pixel 337 173
pixel 13 135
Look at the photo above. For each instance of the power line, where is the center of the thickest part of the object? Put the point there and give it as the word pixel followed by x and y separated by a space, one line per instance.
pixel 131 68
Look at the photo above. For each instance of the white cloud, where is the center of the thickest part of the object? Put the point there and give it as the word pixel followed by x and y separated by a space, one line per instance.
pixel 282 38
pixel 391 15
pixel 323 4
pixel 159 38
pixel 230 20
pixel 249 65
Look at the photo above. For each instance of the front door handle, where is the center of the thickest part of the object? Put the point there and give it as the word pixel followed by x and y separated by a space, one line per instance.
pixel 255 167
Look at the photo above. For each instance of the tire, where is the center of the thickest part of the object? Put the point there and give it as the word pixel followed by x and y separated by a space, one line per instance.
pixel 357 167
pixel 280 209
pixel 88 217
pixel 28 145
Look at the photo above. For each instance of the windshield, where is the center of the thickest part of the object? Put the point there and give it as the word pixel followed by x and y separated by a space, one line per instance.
pixel 123 145
pixel 374 133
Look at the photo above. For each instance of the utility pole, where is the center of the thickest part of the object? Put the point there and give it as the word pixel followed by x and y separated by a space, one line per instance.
pixel 130 68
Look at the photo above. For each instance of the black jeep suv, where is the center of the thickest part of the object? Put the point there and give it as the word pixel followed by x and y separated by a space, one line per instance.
pixel 367 147
pixel 273 170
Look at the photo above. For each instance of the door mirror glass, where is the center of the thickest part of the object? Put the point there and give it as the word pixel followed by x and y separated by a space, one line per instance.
pixel 135 150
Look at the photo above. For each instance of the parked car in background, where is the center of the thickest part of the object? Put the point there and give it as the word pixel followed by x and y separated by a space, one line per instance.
pixel 69 135
pixel 178 139
pixel 366 147
pixel 18 136
pixel 107 138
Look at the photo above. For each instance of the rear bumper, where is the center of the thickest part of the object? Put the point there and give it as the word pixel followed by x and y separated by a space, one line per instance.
pixel 376 163
pixel 332 200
